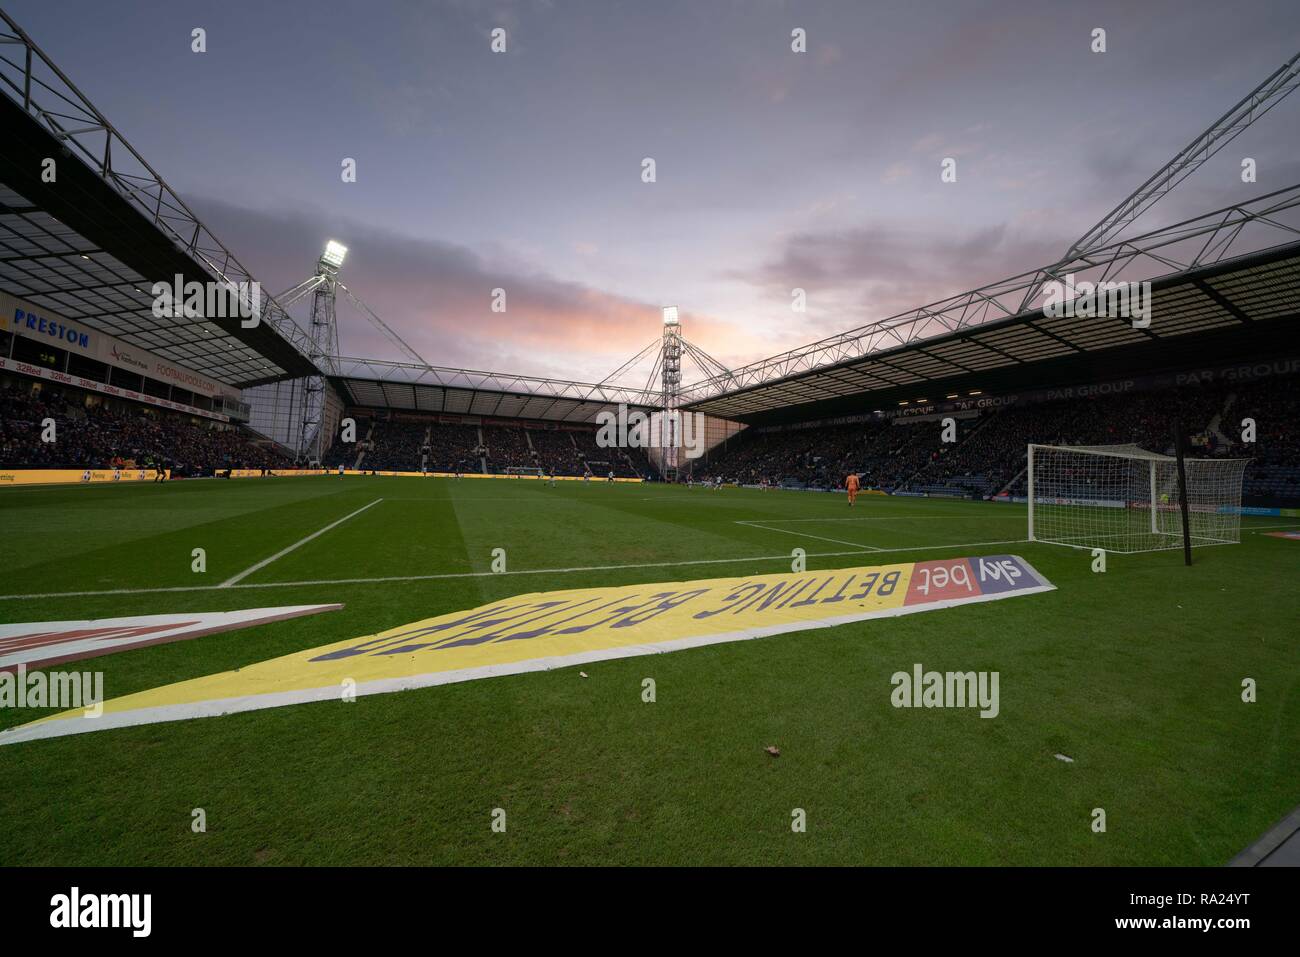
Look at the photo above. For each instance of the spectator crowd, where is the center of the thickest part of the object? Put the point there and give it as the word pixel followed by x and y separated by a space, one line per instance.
pixel 91 432
pixel 988 455
pixel 908 455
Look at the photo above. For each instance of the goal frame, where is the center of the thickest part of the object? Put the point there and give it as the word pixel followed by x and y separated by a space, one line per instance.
pixel 1128 481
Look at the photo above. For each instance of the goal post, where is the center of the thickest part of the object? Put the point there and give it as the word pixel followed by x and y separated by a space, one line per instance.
pixel 517 470
pixel 1125 499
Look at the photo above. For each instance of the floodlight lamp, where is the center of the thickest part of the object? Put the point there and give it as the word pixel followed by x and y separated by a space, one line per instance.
pixel 670 315
pixel 334 253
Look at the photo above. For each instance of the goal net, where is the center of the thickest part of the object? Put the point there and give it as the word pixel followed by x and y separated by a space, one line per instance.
pixel 523 470
pixel 1125 499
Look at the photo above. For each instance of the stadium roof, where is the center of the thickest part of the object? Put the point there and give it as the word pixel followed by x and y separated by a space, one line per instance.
pixel 412 387
pixel 1242 308
pixel 89 245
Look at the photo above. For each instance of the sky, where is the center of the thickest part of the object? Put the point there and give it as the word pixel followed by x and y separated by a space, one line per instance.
pixel 774 169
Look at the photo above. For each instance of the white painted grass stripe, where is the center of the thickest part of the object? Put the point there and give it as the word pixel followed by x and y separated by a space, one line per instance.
pixel 279 699
pixel 927 548
pixel 1255 527
pixel 518 571
pixel 820 538
pixel 298 544
pixel 433 577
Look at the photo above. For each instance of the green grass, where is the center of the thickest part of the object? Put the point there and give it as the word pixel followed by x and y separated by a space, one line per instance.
pixel 1135 673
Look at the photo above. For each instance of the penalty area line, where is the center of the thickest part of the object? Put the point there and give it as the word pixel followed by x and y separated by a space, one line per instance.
pixel 521 571
pixel 820 538
pixel 885 518
pixel 438 576
pixel 231 582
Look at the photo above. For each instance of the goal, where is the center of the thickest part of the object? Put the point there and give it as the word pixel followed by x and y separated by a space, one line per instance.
pixel 523 470
pixel 1125 499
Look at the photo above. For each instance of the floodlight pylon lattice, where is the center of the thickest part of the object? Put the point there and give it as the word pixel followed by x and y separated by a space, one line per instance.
pixel 668 356
pixel 670 352
pixel 323 350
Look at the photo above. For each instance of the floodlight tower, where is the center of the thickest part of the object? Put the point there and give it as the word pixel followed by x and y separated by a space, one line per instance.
pixel 669 352
pixel 671 359
pixel 324 350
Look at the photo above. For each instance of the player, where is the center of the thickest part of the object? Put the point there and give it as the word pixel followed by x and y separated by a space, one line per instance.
pixel 552 476
pixel 611 476
pixel 340 471
pixel 851 484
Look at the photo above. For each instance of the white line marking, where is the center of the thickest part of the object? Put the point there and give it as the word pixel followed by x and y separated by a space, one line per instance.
pixel 820 538
pixel 927 548
pixel 524 571
pixel 885 518
pixel 285 551
pixel 1254 527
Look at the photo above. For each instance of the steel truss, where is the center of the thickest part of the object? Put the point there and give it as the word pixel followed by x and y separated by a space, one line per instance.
pixel 32 79
pixel 1201 241
pixel 1188 160
pixel 416 373
pixel 1223 131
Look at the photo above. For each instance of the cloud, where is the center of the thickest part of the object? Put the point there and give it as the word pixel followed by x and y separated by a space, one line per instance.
pixel 897 172
pixel 855 276
pixel 828 54
pixel 438 297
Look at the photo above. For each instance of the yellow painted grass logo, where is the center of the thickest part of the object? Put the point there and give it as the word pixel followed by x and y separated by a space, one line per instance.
pixel 544 630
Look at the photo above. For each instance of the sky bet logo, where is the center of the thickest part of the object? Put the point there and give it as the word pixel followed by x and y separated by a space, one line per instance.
pixel 134 911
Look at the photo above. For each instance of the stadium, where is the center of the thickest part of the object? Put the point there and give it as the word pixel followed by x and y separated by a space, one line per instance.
pixel 1005 578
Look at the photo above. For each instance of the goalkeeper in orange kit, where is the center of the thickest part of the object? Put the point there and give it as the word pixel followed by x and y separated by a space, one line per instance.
pixel 851 483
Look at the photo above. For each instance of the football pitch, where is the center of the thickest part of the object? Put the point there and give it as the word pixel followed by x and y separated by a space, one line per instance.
pixel 1134 674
